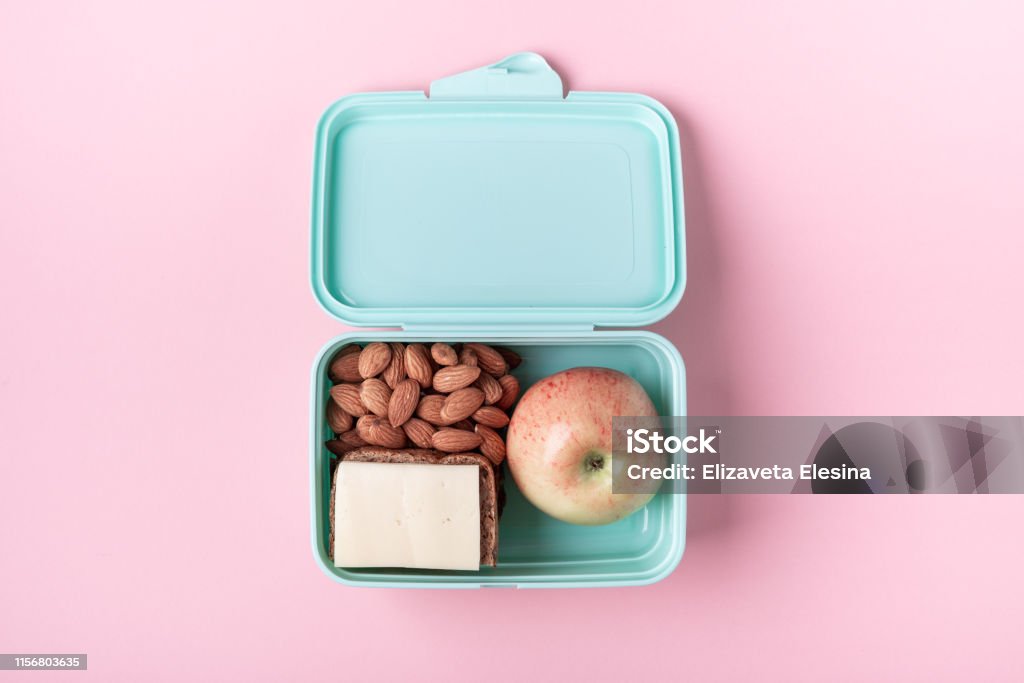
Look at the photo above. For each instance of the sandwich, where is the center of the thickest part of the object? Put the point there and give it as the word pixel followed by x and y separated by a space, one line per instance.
pixel 419 544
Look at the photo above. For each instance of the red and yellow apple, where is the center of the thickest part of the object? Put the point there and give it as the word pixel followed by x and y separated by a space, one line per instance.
pixel 560 444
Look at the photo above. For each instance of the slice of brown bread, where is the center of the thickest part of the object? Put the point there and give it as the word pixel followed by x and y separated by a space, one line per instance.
pixel 488 488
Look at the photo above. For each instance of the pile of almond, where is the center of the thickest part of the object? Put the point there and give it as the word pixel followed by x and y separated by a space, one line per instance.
pixel 452 398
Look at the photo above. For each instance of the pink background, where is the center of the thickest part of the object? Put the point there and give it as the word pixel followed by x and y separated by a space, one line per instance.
pixel 853 185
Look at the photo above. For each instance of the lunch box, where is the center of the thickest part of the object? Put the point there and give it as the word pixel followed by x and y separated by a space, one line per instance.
pixel 496 208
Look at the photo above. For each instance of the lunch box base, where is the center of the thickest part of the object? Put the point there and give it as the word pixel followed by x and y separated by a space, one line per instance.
pixel 536 550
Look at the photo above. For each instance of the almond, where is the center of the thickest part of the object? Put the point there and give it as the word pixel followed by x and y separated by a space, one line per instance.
pixel 417 365
pixel 420 432
pixel 512 359
pixel 510 392
pixel 468 357
pixel 338 419
pixel 491 416
pixel 461 404
pixel 347 398
pixel 345 368
pixel 491 445
pixel 455 440
pixel 463 424
pixel 455 377
pixel 352 438
pixel 491 388
pixel 377 431
pixel 429 409
pixel 373 359
pixel 403 402
pixel 375 395
pixel 345 442
pixel 489 359
pixel 337 447
pixel 443 354
pixel 395 371
pixel 347 349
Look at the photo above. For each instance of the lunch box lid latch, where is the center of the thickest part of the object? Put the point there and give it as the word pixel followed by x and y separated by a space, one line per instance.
pixel 522 76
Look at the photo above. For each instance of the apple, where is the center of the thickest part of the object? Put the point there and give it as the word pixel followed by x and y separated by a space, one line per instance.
pixel 560 444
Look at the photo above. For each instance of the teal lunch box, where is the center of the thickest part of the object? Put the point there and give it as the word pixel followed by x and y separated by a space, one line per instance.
pixel 497 209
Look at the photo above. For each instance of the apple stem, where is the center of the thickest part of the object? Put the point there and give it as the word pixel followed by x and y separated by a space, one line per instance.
pixel 593 462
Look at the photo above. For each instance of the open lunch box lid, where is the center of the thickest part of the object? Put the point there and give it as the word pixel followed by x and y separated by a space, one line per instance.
pixel 497 200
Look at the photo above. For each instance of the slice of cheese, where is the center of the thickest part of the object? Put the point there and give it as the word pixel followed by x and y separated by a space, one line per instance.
pixel 407 515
